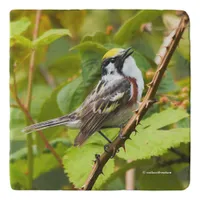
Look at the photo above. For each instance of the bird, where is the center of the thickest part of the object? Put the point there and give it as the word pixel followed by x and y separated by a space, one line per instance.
pixel 110 104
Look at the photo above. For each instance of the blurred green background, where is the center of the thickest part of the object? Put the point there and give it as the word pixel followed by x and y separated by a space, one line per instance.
pixel 68 52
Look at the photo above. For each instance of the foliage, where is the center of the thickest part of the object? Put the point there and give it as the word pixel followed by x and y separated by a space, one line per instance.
pixel 66 68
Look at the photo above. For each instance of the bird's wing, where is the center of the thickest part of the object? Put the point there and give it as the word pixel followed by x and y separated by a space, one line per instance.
pixel 106 99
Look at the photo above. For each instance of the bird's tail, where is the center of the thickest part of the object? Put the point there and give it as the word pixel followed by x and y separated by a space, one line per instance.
pixel 68 120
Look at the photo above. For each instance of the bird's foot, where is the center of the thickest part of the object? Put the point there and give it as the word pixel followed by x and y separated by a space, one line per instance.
pixel 114 150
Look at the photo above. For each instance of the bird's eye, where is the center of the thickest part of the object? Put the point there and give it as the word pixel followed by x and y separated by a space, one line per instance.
pixel 112 72
pixel 112 60
pixel 106 62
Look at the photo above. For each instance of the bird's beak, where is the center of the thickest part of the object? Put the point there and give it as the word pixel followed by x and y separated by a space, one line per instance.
pixel 127 53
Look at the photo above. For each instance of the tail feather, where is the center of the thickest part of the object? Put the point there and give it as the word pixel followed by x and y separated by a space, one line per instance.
pixel 50 123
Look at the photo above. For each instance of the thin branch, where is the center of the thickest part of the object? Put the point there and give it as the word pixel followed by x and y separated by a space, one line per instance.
pixel 28 101
pixel 130 178
pixel 32 60
pixel 143 108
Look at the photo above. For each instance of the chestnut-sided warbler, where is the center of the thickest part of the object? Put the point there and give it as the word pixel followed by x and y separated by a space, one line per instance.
pixel 110 104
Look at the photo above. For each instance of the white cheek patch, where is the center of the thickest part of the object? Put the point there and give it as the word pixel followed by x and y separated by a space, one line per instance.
pixel 110 68
pixel 111 73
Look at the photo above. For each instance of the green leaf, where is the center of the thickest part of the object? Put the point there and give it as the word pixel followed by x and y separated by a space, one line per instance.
pixel 129 28
pixel 165 118
pixel 151 141
pixel 21 40
pixel 100 37
pixel 43 163
pixel 91 67
pixel 18 175
pixel 41 92
pixel 141 61
pixel 50 36
pixel 56 50
pixel 90 46
pixel 18 27
pixel 78 163
pixel 71 95
pixel 167 84
pixel 159 179
pixel 17 123
pixel 65 67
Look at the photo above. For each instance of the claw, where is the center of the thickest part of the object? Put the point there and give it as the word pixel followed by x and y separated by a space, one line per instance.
pixel 106 147
pixel 114 152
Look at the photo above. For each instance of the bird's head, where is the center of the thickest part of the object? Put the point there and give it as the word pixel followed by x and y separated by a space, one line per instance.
pixel 118 62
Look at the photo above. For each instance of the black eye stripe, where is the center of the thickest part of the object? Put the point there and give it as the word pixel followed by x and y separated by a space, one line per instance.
pixel 105 62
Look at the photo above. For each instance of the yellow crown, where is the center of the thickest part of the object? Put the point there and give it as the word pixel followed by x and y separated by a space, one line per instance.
pixel 112 53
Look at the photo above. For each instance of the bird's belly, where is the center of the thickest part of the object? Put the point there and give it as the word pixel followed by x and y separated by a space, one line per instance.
pixel 121 117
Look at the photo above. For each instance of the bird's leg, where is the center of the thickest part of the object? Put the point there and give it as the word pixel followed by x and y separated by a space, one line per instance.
pixel 101 133
pixel 106 147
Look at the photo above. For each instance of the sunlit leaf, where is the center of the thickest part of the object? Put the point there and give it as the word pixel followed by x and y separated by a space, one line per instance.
pixel 21 40
pixel 18 27
pixel 49 36
pixel 80 159
pixel 151 141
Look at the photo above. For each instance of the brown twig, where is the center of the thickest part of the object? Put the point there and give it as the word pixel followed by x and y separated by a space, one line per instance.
pixel 145 105
pixel 30 158
pixel 32 60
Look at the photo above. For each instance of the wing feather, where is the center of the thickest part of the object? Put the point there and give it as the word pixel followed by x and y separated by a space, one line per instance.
pixel 107 98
